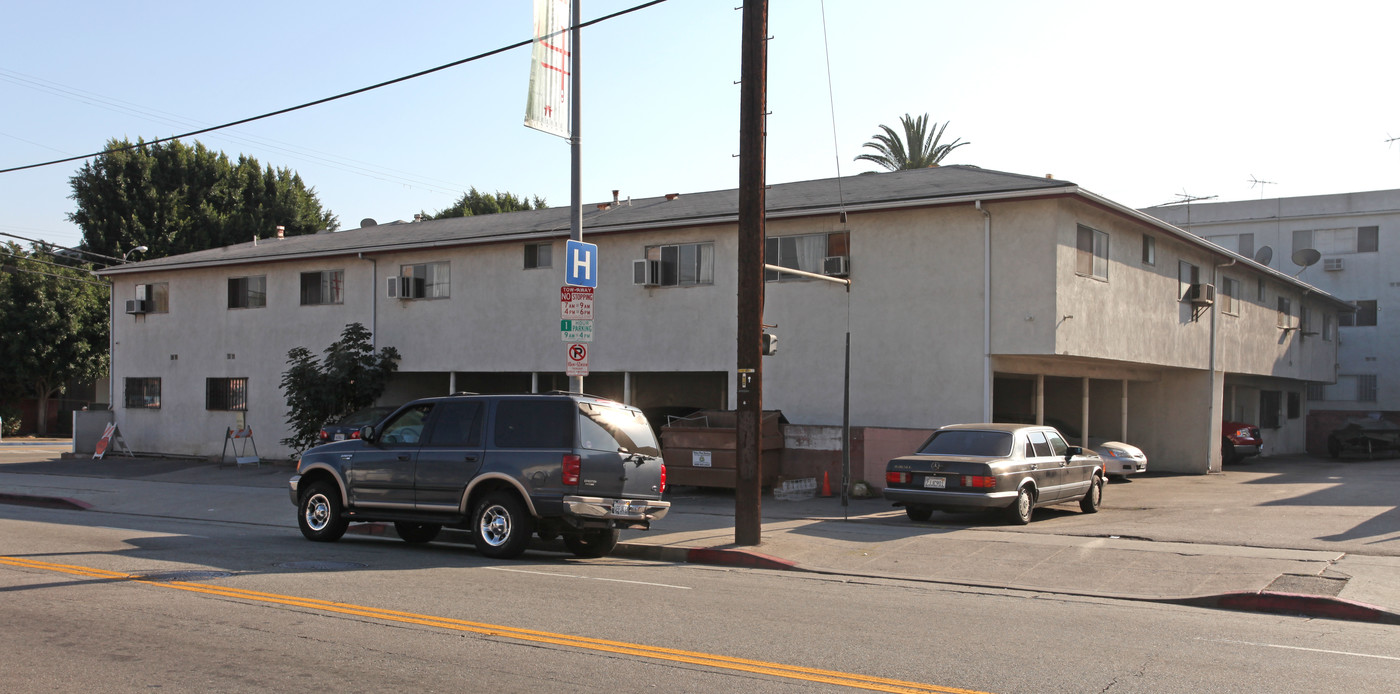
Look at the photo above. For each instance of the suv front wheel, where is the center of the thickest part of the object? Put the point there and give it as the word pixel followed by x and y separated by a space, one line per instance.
pixel 501 526
pixel 320 516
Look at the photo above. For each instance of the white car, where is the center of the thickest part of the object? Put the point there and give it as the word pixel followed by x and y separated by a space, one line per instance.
pixel 1119 459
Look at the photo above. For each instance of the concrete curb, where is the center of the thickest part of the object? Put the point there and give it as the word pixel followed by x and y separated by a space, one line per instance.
pixel 1319 606
pixel 55 502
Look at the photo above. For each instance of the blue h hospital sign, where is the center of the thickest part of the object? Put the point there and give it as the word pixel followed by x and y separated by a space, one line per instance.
pixel 580 264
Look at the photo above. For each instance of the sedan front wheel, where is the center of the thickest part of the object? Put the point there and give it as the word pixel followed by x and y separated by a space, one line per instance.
pixel 1092 498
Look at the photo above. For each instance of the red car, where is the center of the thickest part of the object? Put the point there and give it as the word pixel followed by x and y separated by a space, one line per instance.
pixel 1239 441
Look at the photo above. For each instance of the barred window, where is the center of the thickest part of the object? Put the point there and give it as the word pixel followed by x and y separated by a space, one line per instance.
pixel 1366 388
pixel 142 393
pixel 226 394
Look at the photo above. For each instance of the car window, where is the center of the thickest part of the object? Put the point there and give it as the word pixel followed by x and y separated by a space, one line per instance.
pixel 1057 444
pixel 1042 447
pixel 964 442
pixel 608 428
pixel 456 424
pixel 369 415
pixel 535 424
pixel 406 427
pixel 1030 449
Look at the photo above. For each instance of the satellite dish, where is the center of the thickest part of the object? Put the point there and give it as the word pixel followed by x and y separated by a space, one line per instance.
pixel 1264 255
pixel 368 222
pixel 1306 257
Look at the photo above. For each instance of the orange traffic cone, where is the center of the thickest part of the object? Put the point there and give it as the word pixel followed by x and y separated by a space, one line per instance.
pixel 826 484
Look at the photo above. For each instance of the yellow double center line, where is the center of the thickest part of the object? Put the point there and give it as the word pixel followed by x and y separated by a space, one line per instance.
pixel 760 667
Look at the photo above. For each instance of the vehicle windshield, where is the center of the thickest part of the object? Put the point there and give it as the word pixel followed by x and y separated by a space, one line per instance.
pixel 964 442
pixel 369 415
pixel 608 428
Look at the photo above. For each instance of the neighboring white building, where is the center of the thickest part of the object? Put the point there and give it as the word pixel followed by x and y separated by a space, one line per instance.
pixel 1356 237
pixel 973 294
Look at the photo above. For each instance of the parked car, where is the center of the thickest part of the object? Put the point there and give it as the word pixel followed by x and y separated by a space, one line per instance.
pixel 503 466
pixel 1119 459
pixel 348 427
pixel 1012 467
pixel 1239 441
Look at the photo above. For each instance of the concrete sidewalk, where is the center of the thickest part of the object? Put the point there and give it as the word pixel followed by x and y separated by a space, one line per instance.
pixel 1290 535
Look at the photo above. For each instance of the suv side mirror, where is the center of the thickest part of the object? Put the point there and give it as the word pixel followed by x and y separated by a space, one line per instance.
pixel 1069 453
pixel 367 433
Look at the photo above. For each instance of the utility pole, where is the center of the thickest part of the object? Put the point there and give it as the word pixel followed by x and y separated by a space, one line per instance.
pixel 753 98
pixel 575 142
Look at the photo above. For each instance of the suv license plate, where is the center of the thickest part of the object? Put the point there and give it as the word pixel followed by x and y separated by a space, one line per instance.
pixel 622 508
pixel 935 483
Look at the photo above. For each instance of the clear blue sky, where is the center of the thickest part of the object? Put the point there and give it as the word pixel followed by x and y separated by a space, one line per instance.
pixel 1135 101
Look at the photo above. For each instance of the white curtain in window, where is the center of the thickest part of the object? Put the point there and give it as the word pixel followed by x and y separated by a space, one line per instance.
pixel 811 250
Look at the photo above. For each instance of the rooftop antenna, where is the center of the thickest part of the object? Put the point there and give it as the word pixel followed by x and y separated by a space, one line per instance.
pixel 1256 182
pixel 1186 199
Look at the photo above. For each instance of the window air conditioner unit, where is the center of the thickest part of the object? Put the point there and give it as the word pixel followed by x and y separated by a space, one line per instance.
pixel 1332 264
pixel 135 306
pixel 1201 294
pixel 836 265
pixel 646 272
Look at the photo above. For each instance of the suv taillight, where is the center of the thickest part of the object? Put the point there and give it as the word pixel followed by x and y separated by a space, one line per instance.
pixel 663 478
pixel 572 463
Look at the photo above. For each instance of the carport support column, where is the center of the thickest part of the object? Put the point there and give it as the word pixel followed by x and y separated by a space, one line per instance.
pixel 1123 411
pixel 1084 413
pixel 1039 399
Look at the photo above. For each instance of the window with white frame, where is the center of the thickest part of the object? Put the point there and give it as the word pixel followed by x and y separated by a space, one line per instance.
pixel 425 281
pixel 142 393
pixel 226 394
pixel 247 292
pixel 1327 325
pixel 684 264
pixel 324 287
pixel 156 296
pixel 1338 241
pixel 1229 290
pixel 1091 253
pixel 1149 250
pixel 1261 289
pixel 539 255
pixel 806 252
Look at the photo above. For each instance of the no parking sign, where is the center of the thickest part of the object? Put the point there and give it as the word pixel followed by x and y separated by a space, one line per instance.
pixel 577 362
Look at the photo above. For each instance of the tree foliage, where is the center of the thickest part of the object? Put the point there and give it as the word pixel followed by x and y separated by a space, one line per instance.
pixel 53 328
pixel 474 202
pixel 919 149
pixel 349 378
pixel 175 198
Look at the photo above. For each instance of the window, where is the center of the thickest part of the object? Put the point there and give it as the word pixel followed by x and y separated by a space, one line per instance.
pixel 1149 250
pixel 226 394
pixel 1327 321
pixel 1261 290
pixel 1366 388
pixel 425 281
pixel 325 287
pixel 1348 388
pixel 538 255
pixel 457 424
pixel 684 264
pixel 1270 409
pixel 1285 312
pixel 247 292
pixel 1091 257
pixel 1187 275
pixel 142 393
pixel 1338 241
pixel 1229 289
pixel 1365 315
pixel 1317 392
pixel 1305 318
pixel 804 252
pixel 1239 243
pixel 406 428
pixel 535 423
pixel 1295 405
pixel 156 296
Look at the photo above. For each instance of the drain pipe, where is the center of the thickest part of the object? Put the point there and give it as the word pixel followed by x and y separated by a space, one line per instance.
pixel 373 302
pixel 1213 428
pixel 986 312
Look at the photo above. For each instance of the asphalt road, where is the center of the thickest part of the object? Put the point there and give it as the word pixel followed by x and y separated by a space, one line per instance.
pixel 135 602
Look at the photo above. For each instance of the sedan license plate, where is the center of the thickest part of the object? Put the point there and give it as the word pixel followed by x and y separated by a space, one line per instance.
pixel 934 482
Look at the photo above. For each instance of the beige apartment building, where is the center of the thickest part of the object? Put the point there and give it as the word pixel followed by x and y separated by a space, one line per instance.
pixel 974 294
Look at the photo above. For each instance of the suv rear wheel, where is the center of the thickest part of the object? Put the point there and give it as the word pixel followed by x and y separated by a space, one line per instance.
pixel 501 526
pixel 592 544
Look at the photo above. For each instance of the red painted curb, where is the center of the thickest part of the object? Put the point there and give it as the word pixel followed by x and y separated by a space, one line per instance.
pixel 1322 606
pixel 738 557
pixel 56 502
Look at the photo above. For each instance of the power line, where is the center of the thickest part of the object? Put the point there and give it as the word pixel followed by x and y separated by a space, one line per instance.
pixel 328 99
pixel 46 244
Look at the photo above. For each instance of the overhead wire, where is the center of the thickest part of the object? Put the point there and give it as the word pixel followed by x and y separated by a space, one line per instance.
pixel 328 99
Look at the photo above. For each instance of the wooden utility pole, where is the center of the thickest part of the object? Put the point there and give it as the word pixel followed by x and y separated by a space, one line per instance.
pixel 753 105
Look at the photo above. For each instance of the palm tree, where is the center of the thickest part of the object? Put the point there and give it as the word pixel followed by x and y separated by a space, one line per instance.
pixel 922 151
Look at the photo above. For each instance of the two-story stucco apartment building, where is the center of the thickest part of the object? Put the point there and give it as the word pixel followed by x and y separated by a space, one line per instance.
pixel 974 294
pixel 1356 239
